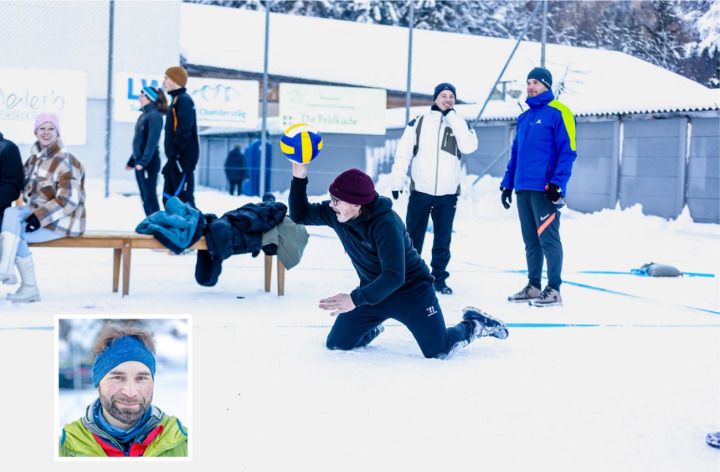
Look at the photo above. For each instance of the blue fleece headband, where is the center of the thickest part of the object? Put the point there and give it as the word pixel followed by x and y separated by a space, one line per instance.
pixel 127 348
pixel 150 93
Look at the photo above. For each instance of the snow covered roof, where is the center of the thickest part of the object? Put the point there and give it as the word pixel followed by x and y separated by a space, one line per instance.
pixel 593 81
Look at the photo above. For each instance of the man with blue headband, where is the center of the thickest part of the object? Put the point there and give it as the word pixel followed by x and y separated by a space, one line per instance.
pixel 122 422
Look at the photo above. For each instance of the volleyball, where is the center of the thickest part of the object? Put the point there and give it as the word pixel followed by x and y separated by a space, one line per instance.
pixel 301 143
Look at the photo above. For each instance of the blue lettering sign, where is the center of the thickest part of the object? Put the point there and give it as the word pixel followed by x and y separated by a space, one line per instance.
pixel 131 93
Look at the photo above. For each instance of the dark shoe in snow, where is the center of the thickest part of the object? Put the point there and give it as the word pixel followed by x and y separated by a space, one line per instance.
pixel 485 325
pixel 444 289
pixel 530 292
pixel 713 439
pixel 548 297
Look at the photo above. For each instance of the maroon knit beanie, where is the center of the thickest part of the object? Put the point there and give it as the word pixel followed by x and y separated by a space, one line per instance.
pixel 353 186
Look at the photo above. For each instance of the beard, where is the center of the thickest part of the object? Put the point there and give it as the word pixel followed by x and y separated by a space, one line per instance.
pixel 128 416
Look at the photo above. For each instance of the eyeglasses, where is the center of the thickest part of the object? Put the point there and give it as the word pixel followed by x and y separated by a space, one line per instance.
pixel 334 200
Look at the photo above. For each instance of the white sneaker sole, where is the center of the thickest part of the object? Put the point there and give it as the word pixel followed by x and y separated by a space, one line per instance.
pixel 542 305
pixel 524 300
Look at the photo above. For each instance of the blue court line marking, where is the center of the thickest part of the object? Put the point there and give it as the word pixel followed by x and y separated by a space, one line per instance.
pixel 619 272
pixel 637 297
pixel 509 325
pixel 600 289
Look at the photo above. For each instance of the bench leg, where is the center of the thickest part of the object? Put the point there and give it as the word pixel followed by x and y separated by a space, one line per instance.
pixel 268 271
pixel 281 277
pixel 117 257
pixel 126 268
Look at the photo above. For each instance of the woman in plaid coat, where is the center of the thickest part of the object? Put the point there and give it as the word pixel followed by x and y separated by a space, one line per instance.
pixel 54 195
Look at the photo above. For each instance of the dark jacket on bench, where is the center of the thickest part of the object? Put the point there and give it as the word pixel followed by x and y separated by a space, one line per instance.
pixel 237 232
pixel 240 231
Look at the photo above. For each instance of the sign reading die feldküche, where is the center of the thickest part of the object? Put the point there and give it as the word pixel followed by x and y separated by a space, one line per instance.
pixel 25 93
pixel 218 102
pixel 350 110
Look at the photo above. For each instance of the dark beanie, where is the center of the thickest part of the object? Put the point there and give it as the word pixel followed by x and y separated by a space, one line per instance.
pixel 444 86
pixel 542 75
pixel 177 74
pixel 353 186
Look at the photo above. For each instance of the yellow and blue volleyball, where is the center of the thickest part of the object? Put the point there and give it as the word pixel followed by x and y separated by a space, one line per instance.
pixel 301 143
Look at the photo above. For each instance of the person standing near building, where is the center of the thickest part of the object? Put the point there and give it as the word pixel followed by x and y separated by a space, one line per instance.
pixel 235 170
pixel 145 158
pixel 395 282
pixel 433 143
pixel 253 160
pixel 540 165
pixel 181 139
pixel 11 174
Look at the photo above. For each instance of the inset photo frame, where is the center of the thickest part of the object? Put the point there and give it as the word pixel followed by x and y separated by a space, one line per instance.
pixel 123 387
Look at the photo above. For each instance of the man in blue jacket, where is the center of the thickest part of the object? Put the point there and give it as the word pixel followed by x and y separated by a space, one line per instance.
pixel 394 281
pixel 542 157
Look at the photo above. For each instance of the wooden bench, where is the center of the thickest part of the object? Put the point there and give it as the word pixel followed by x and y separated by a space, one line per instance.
pixel 122 244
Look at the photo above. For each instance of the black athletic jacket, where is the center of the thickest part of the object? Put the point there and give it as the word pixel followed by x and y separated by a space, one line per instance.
pixel 181 137
pixel 379 246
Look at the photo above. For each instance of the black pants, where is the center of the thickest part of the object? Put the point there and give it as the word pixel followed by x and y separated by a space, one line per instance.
pixel 235 187
pixel 421 207
pixel 417 308
pixel 179 184
pixel 147 183
pixel 540 225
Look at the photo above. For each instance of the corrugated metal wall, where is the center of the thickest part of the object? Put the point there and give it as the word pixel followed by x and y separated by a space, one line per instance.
pixel 632 161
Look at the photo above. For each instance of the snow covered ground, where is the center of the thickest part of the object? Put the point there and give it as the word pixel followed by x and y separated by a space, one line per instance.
pixel 623 377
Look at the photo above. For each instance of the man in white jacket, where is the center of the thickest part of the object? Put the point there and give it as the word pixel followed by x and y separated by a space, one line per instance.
pixel 434 143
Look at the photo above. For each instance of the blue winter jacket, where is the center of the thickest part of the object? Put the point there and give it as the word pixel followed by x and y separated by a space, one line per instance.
pixel 379 246
pixel 544 147
pixel 177 228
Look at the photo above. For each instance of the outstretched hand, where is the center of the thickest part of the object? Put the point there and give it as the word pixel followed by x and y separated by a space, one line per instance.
pixel 299 170
pixel 340 303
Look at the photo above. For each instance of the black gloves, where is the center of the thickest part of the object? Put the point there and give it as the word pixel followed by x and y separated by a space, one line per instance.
pixel 553 192
pixel 506 197
pixel 396 194
pixel 32 223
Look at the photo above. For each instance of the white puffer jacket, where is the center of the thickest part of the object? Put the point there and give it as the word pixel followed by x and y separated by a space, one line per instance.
pixel 436 167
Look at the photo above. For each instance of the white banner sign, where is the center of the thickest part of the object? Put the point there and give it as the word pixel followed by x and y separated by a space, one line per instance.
pixel 218 102
pixel 126 94
pixel 25 93
pixel 225 103
pixel 348 110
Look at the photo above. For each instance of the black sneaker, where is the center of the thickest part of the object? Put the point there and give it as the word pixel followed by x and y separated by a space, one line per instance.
pixel 530 292
pixel 485 325
pixel 444 289
pixel 548 297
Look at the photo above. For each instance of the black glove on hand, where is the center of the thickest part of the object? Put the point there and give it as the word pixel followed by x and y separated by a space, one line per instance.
pixel 553 192
pixel 506 197
pixel 32 223
pixel 396 194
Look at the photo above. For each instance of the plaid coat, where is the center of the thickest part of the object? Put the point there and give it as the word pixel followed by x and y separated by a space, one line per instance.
pixel 55 189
